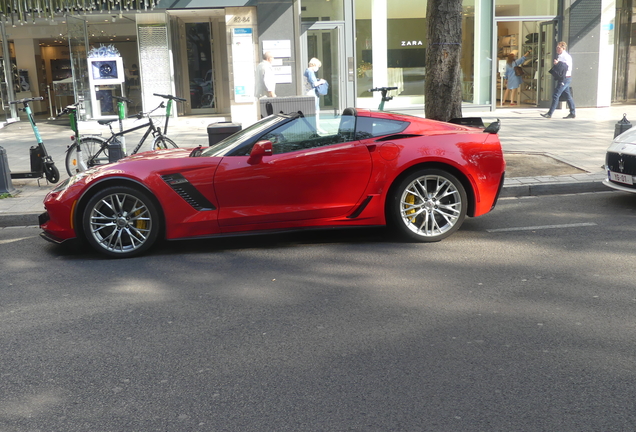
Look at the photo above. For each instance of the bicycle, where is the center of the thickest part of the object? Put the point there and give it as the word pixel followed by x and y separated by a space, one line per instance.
pixel 90 151
pixel 385 98
pixel 42 164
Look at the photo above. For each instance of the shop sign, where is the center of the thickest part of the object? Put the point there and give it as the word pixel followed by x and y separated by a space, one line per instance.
pixel 412 43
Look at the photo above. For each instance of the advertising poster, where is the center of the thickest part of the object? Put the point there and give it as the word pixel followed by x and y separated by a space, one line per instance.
pixel 243 64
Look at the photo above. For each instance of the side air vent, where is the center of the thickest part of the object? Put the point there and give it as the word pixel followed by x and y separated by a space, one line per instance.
pixel 396 137
pixel 188 192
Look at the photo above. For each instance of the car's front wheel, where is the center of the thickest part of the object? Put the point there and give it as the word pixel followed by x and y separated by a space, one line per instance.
pixel 121 221
pixel 428 205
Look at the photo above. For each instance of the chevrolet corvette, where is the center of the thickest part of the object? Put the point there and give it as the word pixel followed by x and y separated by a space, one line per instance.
pixel 421 177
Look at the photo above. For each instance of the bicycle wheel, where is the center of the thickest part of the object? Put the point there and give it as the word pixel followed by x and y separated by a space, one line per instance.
pixel 163 142
pixel 94 152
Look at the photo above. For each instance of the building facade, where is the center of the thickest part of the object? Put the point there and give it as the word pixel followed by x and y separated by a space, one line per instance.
pixel 206 51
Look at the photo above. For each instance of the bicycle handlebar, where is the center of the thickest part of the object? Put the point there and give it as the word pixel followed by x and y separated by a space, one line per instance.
pixel 169 97
pixel 70 108
pixel 26 100
pixel 123 99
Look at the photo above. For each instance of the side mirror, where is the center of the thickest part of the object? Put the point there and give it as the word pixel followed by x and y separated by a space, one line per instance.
pixel 260 149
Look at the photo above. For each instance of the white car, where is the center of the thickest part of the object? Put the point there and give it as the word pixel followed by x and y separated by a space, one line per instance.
pixel 620 162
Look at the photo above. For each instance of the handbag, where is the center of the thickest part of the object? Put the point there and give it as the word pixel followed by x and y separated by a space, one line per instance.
pixel 518 70
pixel 323 88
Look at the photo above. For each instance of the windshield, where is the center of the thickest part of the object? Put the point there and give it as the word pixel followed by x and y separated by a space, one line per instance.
pixel 236 139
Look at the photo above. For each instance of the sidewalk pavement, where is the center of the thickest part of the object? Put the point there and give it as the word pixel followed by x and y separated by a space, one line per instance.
pixel 544 156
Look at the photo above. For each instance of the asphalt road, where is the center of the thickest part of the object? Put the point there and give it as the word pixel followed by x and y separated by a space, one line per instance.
pixel 521 321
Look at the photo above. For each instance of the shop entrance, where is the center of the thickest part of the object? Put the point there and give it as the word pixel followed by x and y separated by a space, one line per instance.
pixel 325 41
pixel 198 50
pixel 516 37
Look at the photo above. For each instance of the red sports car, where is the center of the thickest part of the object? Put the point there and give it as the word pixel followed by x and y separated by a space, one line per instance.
pixel 419 176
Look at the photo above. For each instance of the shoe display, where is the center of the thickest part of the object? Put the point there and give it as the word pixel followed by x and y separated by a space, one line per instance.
pixel 546 115
pixel 569 116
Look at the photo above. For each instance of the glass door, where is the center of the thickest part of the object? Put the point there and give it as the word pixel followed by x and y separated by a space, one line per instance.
pixel 547 54
pixel 200 55
pixel 324 41
pixel 78 48
pixel 621 51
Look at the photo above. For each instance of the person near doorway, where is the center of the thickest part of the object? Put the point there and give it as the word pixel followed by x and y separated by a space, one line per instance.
pixel 563 76
pixel 265 79
pixel 513 81
pixel 311 86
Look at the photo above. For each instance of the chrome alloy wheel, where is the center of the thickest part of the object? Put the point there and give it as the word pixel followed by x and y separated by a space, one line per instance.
pixel 432 206
pixel 121 222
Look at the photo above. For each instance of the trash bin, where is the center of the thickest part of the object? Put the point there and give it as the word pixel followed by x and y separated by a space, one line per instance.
pixel 222 130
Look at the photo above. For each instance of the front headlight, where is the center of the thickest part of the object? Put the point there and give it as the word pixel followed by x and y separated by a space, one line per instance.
pixel 60 187
pixel 74 179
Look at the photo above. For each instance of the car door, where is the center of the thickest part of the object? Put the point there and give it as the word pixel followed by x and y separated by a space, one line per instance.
pixel 307 177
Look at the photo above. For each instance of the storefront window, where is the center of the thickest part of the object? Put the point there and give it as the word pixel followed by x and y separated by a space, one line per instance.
pixel 391 51
pixel 321 10
pixel 525 7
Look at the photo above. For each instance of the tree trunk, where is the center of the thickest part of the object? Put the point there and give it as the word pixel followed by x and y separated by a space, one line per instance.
pixel 442 89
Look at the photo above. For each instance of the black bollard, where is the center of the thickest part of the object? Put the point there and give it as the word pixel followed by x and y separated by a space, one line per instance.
pixel 6 185
pixel 622 126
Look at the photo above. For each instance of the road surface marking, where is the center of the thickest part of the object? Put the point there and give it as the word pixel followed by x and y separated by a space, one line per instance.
pixel 532 228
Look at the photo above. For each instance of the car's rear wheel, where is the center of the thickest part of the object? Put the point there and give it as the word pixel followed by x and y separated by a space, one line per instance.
pixel 428 205
pixel 121 221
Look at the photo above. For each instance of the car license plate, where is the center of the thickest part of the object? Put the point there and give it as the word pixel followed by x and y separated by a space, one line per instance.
pixel 621 178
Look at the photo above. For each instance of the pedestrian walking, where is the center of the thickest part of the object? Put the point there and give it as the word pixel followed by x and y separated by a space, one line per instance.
pixel 562 71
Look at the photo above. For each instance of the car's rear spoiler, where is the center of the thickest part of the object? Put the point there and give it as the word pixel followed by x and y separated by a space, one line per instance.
pixel 477 122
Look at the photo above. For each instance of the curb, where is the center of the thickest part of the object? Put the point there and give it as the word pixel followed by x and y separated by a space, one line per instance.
pixel 508 191
pixel 538 189
pixel 19 219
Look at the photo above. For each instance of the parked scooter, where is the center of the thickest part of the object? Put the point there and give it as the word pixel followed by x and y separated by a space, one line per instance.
pixel 41 163
pixel 385 98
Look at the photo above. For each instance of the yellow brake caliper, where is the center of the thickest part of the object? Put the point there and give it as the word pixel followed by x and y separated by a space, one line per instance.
pixel 410 199
pixel 140 224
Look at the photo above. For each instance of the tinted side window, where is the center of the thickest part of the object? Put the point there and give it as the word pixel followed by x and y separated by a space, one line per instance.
pixel 300 134
pixel 369 127
pixel 291 136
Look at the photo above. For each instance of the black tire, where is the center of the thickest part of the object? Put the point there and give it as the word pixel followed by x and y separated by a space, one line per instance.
pixel 162 143
pixel 51 172
pixel 94 152
pixel 121 221
pixel 428 205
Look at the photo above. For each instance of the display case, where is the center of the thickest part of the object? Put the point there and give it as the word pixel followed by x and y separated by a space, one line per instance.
pixel 530 66
pixel 506 45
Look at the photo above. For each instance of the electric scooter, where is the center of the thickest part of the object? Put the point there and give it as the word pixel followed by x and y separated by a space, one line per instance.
pixel 42 164
pixel 385 98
